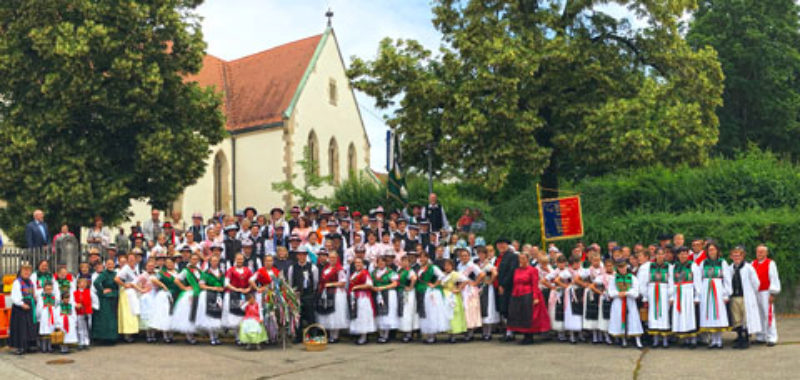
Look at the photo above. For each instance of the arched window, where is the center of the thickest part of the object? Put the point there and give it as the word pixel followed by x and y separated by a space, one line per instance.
pixel 313 151
pixel 352 163
pixel 333 160
pixel 222 192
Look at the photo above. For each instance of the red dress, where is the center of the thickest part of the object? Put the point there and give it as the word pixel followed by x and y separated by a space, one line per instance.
pixel 524 315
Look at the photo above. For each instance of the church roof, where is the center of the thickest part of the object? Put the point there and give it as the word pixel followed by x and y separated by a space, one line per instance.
pixel 259 88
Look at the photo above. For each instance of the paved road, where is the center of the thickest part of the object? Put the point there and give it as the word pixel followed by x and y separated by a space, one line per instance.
pixel 475 360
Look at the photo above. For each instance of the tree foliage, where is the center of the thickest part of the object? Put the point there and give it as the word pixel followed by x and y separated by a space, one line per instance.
pixel 757 43
pixel 548 88
pixel 95 110
pixel 312 182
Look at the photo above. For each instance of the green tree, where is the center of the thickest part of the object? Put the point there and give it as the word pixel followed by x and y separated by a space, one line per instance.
pixel 312 182
pixel 95 109
pixel 757 43
pixel 548 88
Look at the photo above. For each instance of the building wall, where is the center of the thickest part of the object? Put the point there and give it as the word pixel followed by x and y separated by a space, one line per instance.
pixel 259 164
pixel 314 111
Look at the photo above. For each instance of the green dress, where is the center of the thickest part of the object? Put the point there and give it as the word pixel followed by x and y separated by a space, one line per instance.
pixel 104 320
pixel 458 322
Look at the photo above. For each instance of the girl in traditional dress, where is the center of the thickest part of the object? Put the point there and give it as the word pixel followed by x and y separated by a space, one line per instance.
pixel 237 285
pixel 430 303
pixel 657 284
pixel 105 327
pixel 47 316
pixel 527 312
pixel 743 283
pixel 209 303
pixel 184 314
pixel 251 330
pixel 452 282
pixel 332 304
pixel 624 290
pixel 569 280
pixel 555 305
pixel 67 321
pixel 409 320
pixel 685 282
pixel 147 299
pixel 769 288
pixel 261 281
pixel 384 282
pixel 22 329
pixel 168 292
pixel 714 295
pixel 470 294
pixel 128 306
pixel 82 297
pixel 362 320
pixel 489 314
pixel 605 314
pixel 64 281
pixel 593 295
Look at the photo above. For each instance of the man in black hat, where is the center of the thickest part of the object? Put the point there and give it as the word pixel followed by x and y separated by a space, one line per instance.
pixel 303 278
pixel 505 278
pixel 294 246
pixel 231 244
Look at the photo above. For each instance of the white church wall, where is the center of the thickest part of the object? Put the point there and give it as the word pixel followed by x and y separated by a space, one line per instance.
pixel 259 163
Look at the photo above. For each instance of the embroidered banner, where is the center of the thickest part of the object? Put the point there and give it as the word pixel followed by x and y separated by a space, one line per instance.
pixel 562 218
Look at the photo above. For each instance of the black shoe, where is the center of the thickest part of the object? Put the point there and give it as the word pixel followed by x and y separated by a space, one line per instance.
pixel 693 346
pixel 507 338
pixel 771 344
pixel 526 341
pixel 19 351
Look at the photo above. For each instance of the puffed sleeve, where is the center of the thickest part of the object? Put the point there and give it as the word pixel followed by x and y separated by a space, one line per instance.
pixel 16 294
pixel 697 281
pixel 633 292
pixel 774 279
pixel 727 284
pixel 612 288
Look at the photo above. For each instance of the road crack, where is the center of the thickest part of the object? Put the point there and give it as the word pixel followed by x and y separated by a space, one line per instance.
pixel 639 363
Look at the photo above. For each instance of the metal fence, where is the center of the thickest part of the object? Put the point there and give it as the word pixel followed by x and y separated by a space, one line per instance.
pixel 70 255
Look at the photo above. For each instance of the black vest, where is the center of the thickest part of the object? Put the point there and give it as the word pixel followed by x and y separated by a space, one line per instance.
pixel 435 216
pixel 297 278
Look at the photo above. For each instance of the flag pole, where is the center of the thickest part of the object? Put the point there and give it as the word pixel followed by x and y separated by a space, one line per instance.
pixel 541 216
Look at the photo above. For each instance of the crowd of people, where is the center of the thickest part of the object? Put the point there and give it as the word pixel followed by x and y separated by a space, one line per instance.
pixel 402 276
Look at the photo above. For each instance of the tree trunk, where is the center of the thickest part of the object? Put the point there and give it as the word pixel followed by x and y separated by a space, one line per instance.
pixel 550 178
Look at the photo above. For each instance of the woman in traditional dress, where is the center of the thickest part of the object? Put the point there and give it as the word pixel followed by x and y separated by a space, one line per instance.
pixel 22 329
pixel 167 294
pixel 184 313
pixel 128 305
pixel 489 314
pixel 555 305
pixel 593 297
pixel 384 283
pixel 625 322
pixel 409 320
pixel 714 295
pixel 430 302
pixel 237 285
pixel 527 311
pixel 657 285
pixel 569 280
pixel 261 281
pixel 147 299
pixel 209 303
pixel 452 283
pixel 105 327
pixel 332 301
pixel 470 294
pixel 362 321
pixel 683 296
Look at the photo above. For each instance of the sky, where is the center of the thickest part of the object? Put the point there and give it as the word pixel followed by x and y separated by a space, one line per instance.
pixel 235 28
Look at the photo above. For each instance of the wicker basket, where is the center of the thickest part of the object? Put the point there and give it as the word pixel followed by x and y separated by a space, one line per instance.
pixel 315 342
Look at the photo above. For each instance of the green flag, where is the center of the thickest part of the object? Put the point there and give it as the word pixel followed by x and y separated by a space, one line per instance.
pixel 396 183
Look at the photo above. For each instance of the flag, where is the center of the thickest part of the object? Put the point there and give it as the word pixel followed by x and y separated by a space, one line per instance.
pixel 396 184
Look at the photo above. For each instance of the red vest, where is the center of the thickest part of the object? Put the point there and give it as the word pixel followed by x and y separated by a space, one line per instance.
pixel 700 257
pixel 762 270
pixel 239 280
pixel 83 298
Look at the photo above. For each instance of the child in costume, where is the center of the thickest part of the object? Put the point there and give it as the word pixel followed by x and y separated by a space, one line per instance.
pixel 67 321
pixel 624 290
pixel 82 297
pixel 603 284
pixel 769 288
pixel 452 283
pixel 593 295
pixel 489 314
pixel 657 285
pixel 251 330
pixel 569 280
pixel 237 285
pixel 714 295
pixel 147 299
pixel 384 283
pixel 557 294
pixel 683 296
pixel 743 285
pixel 47 316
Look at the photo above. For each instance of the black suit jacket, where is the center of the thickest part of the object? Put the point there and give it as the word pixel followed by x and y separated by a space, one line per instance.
pixel 505 278
pixel 33 235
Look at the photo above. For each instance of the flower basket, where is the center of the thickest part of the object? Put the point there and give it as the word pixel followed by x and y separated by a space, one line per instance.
pixel 315 338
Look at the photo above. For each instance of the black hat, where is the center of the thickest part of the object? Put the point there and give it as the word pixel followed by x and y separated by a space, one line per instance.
pixel 502 240
pixel 413 227
pixel 276 209
pixel 255 212
pixel 664 236
pixel 322 251
pixel 334 236
pixel 299 251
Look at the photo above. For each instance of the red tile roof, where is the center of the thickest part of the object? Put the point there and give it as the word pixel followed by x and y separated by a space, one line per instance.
pixel 258 88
